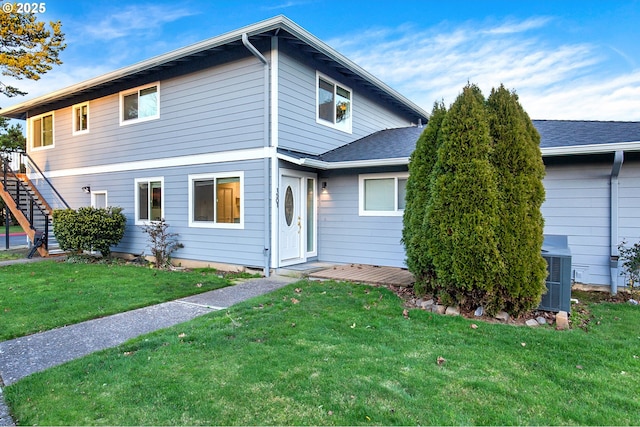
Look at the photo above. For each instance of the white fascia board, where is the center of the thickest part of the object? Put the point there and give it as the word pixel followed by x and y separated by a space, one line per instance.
pixel 232 36
pixel 320 164
pixel 327 50
pixel 590 149
pixel 156 61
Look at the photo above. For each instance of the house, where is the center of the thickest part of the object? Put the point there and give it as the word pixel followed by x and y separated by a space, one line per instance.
pixel 205 137
pixel 264 147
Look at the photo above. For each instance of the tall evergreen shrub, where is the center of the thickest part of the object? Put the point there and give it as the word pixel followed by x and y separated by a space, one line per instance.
pixel 414 234
pixel 463 212
pixel 518 162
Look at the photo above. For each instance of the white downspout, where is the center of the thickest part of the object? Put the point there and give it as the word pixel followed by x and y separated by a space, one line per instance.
pixel 267 222
pixel 613 263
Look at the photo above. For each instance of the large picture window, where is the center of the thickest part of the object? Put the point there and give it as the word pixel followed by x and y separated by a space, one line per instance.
pixel 382 194
pixel 149 199
pixel 42 131
pixel 333 104
pixel 140 104
pixel 216 200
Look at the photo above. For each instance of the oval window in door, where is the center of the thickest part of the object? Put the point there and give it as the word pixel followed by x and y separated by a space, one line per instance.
pixel 288 206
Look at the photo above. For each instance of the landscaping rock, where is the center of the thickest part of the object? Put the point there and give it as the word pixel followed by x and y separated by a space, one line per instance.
pixel 541 320
pixel 562 321
pixel 440 309
pixel 452 311
pixel 426 305
pixel 532 323
pixel 479 312
pixel 503 315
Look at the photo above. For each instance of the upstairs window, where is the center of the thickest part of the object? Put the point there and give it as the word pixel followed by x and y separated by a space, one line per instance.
pixel 140 104
pixel 80 118
pixel 42 131
pixel 333 104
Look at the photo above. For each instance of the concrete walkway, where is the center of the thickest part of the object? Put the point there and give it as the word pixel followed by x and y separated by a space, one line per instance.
pixel 26 355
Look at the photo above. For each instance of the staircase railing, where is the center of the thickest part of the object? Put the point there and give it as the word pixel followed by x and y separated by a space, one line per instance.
pixel 17 159
pixel 35 174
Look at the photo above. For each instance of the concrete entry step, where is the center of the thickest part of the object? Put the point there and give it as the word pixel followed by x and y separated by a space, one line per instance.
pixel 363 273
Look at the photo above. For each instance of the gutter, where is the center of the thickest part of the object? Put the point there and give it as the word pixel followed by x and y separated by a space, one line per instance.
pixel 276 23
pixel 615 254
pixel 591 149
pixel 323 165
pixel 265 160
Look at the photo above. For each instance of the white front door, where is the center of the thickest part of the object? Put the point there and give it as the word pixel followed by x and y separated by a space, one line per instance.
pixel 291 221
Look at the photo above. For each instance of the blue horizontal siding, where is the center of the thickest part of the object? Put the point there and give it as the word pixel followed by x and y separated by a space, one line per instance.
pixel 212 110
pixel 298 129
pixel 233 246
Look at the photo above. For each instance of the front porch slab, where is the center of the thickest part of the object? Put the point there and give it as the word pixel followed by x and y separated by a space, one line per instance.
pixel 362 273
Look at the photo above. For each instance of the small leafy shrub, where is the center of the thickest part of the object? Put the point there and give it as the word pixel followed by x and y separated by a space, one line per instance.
pixel 631 266
pixel 161 242
pixel 89 228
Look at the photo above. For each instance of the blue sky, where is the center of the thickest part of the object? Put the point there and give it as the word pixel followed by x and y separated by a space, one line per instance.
pixel 566 59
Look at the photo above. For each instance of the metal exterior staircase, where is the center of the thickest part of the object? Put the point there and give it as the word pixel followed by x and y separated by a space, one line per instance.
pixel 27 205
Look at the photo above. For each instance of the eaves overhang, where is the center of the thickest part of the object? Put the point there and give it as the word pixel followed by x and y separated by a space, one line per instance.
pixel 350 164
pixel 590 149
pixel 403 161
pixel 279 25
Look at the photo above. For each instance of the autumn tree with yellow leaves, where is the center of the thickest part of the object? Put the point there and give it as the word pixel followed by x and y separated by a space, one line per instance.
pixel 28 48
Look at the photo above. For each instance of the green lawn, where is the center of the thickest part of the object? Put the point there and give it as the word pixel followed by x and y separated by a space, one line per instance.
pixel 48 294
pixel 12 229
pixel 340 354
pixel 11 254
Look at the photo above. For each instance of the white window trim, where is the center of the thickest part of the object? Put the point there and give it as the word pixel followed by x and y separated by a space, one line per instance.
pixel 137 90
pixel 335 83
pixel 211 224
pixel 96 192
pixel 53 133
pixel 136 196
pixel 361 180
pixel 75 132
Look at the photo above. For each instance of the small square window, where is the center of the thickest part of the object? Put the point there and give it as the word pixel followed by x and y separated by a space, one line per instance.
pixel 80 119
pixel 333 104
pixel 42 131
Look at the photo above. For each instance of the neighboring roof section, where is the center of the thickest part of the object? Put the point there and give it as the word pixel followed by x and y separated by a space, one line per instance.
pixel 281 26
pixel 394 146
pixel 563 133
pixel 566 137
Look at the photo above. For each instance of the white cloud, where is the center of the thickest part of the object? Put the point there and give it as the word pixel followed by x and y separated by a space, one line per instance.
pixel 554 81
pixel 286 5
pixel 134 19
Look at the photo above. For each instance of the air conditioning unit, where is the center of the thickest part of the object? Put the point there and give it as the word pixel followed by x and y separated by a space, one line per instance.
pixel 555 250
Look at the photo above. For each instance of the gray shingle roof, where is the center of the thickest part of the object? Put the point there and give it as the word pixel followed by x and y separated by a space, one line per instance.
pixel 384 144
pixel 400 142
pixel 566 133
